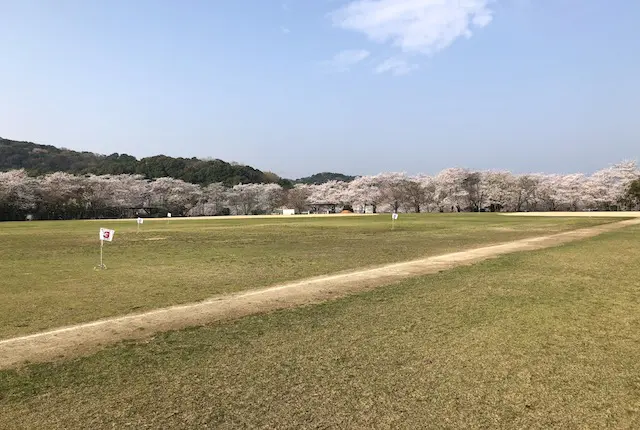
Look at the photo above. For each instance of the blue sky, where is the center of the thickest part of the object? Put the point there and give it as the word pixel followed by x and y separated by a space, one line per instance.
pixel 303 86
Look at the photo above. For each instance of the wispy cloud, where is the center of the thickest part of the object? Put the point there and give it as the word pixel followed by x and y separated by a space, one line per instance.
pixel 344 60
pixel 285 30
pixel 395 66
pixel 285 6
pixel 414 26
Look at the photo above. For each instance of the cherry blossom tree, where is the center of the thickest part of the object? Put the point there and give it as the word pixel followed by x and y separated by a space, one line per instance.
pixel 331 192
pixel 175 195
pixel 271 196
pixel 569 191
pixel 428 185
pixel 474 191
pixel 366 191
pixel 498 189
pixel 298 197
pixel 214 198
pixel 393 189
pixel 449 189
pixel 17 194
pixel 526 187
pixel 607 187
pixel 417 194
pixel 63 195
pixel 249 198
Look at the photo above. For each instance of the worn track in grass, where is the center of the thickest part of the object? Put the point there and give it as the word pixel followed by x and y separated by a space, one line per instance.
pixel 86 338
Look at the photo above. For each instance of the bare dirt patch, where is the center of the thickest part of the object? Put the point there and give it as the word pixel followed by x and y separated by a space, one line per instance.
pixel 86 338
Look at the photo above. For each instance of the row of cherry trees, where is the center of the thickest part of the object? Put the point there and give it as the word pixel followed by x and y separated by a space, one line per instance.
pixel 459 189
pixel 65 196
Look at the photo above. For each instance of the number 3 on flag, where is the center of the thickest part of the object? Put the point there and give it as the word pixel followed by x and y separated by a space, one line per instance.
pixel 106 234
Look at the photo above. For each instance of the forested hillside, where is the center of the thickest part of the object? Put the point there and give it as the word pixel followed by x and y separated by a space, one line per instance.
pixel 324 177
pixel 41 159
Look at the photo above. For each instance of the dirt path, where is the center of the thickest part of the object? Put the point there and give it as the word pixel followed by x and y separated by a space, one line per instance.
pixel 87 338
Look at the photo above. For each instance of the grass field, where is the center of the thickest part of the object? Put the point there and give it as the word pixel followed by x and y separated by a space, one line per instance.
pixel 48 278
pixel 544 339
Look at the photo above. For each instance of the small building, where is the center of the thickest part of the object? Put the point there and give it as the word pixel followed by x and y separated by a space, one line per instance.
pixel 283 211
pixel 323 208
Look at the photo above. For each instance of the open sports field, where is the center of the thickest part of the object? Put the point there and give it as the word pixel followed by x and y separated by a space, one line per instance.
pixel 540 339
pixel 48 277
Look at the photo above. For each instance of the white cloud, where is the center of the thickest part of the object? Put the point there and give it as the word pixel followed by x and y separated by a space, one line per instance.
pixel 395 66
pixel 344 60
pixel 285 30
pixel 414 26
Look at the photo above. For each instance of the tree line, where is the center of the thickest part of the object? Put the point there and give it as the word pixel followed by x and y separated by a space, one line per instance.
pixel 62 195
pixel 324 177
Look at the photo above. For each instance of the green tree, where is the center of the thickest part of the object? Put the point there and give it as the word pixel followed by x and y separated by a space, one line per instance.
pixel 632 196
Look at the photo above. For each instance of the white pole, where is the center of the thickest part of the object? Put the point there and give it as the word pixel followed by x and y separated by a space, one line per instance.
pixel 101 245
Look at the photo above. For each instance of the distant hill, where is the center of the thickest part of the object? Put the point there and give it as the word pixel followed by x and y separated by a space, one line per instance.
pixel 40 159
pixel 321 178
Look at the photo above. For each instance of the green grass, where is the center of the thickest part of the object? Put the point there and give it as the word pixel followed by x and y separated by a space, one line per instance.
pixel 547 339
pixel 48 278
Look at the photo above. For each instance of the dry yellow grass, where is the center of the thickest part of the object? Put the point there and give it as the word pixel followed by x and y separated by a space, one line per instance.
pixel 546 339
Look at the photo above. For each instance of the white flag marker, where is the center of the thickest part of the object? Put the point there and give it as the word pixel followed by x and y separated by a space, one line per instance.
pixel 394 217
pixel 105 234
pixel 139 221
